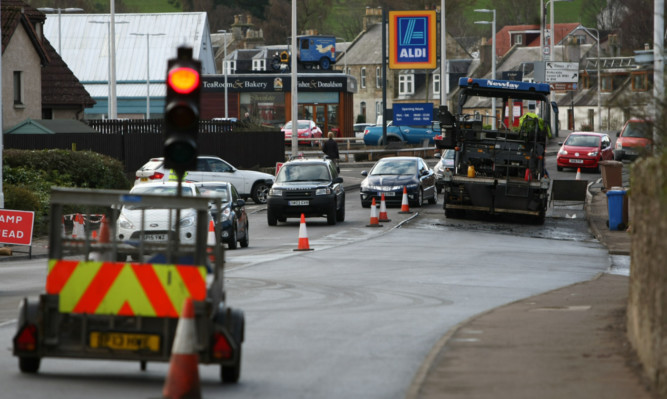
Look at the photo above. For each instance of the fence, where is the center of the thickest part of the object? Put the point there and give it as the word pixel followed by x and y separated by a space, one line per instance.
pixel 133 142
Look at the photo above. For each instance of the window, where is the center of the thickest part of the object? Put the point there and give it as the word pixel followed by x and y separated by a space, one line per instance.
pixel 230 66
pixel 640 82
pixel 579 39
pixel 436 84
pixel 259 65
pixel 378 109
pixel 18 88
pixel 517 39
pixel 585 81
pixel 607 83
pixel 406 84
pixel 378 77
pixel 362 109
pixel 363 78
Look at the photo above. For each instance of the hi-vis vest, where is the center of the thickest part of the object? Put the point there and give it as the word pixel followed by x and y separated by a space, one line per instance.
pixel 173 177
pixel 124 289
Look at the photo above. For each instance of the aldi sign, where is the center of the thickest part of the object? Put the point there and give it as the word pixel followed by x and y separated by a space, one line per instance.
pixel 412 40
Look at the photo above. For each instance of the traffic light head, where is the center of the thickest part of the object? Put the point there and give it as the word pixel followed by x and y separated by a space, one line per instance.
pixel 181 113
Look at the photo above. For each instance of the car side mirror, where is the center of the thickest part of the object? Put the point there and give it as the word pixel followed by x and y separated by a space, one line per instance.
pixel 618 134
pixel 338 179
pixel 364 173
pixel 240 202
pixel 423 172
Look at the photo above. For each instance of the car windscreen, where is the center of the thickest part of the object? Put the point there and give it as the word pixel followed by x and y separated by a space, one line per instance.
pixel 637 129
pixel 395 167
pixel 583 141
pixel 215 191
pixel 304 172
pixel 304 125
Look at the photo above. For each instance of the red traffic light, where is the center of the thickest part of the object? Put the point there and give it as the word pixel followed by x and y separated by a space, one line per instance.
pixel 183 80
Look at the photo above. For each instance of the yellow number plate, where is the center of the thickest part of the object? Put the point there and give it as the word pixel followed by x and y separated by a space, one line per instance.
pixel 125 341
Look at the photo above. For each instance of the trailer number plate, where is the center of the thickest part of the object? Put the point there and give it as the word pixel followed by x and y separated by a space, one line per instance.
pixel 125 341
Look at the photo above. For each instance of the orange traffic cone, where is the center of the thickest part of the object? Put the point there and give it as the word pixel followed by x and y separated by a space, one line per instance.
pixel 78 231
pixel 374 216
pixel 303 236
pixel 405 206
pixel 383 210
pixel 183 377
pixel 104 238
pixel 210 239
pixel 104 231
pixel 578 177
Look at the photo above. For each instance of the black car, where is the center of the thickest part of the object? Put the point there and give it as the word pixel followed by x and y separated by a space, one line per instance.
pixel 232 217
pixel 389 176
pixel 310 187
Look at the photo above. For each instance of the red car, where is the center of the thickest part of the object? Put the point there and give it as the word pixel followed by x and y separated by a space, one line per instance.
pixel 634 140
pixel 584 150
pixel 305 129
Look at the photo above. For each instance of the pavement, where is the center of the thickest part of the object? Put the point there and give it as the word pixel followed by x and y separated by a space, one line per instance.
pixel 566 343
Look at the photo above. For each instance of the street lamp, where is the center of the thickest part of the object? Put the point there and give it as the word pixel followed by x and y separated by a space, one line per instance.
pixel 148 58
pixel 59 10
pixel 597 38
pixel 112 65
pixel 493 58
pixel 224 71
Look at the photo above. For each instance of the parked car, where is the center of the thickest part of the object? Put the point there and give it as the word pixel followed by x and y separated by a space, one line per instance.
pixel 634 140
pixel 249 183
pixel 306 129
pixel 584 150
pixel 403 134
pixel 156 224
pixel 307 186
pixel 390 175
pixel 446 162
pixel 359 129
pixel 232 216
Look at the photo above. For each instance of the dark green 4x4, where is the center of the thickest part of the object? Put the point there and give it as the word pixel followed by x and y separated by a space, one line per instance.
pixel 310 187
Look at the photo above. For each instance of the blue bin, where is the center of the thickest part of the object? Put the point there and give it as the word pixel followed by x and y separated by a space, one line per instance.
pixel 615 206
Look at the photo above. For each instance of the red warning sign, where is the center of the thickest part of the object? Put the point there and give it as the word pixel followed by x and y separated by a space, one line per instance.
pixel 16 227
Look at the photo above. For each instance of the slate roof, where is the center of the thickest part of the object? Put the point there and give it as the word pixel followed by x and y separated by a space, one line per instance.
pixel 60 88
pixel 15 12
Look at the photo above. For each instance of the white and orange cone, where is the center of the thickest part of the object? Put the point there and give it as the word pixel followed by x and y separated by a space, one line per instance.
pixel 578 177
pixel 78 230
pixel 405 205
pixel 210 239
pixel 383 210
pixel 103 238
pixel 375 222
pixel 303 236
pixel 183 377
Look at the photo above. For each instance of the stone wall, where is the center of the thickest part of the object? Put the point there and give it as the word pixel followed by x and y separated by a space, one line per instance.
pixel 647 303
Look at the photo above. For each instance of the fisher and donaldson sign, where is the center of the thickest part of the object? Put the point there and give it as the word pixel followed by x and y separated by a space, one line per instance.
pixel 412 40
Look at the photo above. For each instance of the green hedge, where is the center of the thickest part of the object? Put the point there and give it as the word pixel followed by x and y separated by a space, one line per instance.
pixel 28 176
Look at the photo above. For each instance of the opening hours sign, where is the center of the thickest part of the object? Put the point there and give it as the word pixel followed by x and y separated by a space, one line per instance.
pixel 412 39
pixel 16 227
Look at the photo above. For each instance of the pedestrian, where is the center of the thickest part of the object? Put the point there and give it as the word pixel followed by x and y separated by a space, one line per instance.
pixel 330 149
pixel 246 119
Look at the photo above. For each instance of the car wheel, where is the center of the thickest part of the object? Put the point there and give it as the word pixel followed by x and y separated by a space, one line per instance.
pixel 340 214
pixel 260 192
pixel 245 241
pixel 29 365
pixel 420 199
pixel 233 239
pixel 271 217
pixel 331 215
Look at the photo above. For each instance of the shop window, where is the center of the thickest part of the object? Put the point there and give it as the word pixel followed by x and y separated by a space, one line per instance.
pixel 406 85
pixel 259 65
pixel 640 82
pixel 378 77
pixel 436 84
pixel 363 78
pixel 18 88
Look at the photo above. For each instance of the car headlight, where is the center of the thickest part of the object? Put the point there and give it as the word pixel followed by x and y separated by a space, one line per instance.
pixel 323 191
pixel 124 223
pixel 619 146
pixel 187 221
pixel 593 154
pixel 562 151
pixel 274 192
pixel 226 213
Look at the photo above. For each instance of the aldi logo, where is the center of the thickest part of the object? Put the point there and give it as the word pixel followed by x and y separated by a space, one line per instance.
pixel 412 40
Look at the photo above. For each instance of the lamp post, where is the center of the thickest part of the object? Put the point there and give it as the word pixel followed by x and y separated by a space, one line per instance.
pixel 148 69
pixel 493 58
pixel 224 71
pixel 59 10
pixel 597 38
pixel 112 65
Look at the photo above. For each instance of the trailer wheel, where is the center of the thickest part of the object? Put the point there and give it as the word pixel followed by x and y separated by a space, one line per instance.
pixel 29 364
pixel 231 374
